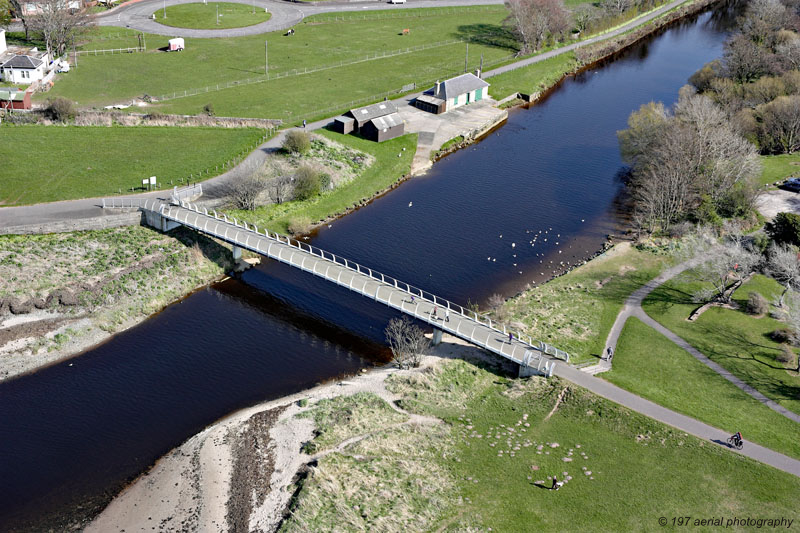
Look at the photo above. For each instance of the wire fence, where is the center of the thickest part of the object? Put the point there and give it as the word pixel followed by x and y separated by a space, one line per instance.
pixel 307 70
pixel 401 14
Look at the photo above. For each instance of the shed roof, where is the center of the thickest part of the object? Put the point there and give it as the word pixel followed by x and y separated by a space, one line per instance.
pixel 12 95
pixel 428 99
pixel 363 114
pixel 24 62
pixel 344 119
pixel 459 85
pixel 387 121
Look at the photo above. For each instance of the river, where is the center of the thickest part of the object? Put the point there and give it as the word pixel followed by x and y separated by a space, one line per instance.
pixel 74 433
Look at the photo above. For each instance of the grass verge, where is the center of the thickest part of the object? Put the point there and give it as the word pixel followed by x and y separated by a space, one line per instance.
pixel 533 78
pixel 650 365
pixel 386 169
pixel 49 163
pixel 739 342
pixel 779 167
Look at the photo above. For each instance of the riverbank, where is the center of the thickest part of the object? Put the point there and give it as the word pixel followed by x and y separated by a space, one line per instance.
pixel 97 284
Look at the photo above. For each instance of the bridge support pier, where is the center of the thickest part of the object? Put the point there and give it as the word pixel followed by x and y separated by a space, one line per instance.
pixel 237 253
pixel 155 220
pixel 545 369
pixel 436 339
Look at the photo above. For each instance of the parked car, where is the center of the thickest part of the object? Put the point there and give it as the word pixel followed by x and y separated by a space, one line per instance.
pixel 792 184
pixel 397 1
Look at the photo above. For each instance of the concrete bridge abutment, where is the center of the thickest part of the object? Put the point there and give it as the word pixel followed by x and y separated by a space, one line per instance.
pixel 155 220
pixel 436 339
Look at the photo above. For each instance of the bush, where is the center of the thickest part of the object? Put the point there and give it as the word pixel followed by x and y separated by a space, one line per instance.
pixel 757 304
pixel 307 183
pixel 299 225
pixel 786 355
pixel 784 228
pixel 208 109
pixel 783 335
pixel 297 142
pixel 60 109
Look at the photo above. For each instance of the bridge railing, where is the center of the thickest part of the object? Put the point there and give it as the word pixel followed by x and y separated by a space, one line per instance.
pixel 417 292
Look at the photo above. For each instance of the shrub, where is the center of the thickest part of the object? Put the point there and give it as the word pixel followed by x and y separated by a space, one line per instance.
pixel 307 183
pixel 783 335
pixel 60 109
pixel 786 354
pixel 784 228
pixel 297 142
pixel 208 109
pixel 299 225
pixel 757 304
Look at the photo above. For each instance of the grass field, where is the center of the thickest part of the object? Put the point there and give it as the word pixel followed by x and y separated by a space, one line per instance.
pixel 533 78
pixel 576 311
pixel 779 167
pixel 204 16
pixel 385 170
pixel 650 365
pixel 49 163
pixel 477 471
pixel 318 42
pixel 737 341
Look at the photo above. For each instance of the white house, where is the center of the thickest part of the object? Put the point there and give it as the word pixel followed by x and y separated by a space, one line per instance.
pixel 36 8
pixel 3 46
pixel 23 70
pixel 453 93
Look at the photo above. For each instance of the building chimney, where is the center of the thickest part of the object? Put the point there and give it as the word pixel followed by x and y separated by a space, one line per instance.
pixel 478 72
pixel 436 89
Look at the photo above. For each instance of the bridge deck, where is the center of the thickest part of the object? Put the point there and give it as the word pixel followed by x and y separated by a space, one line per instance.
pixel 463 323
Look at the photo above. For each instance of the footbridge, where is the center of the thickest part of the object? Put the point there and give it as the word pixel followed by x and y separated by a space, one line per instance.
pixel 533 357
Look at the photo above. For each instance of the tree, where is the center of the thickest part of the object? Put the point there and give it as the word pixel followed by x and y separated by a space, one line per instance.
pixel 297 142
pixel 718 263
pixel 784 229
pixel 779 130
pixel 616 7
pixel 5 13
pixel 645 126
pixel 60 109
pixel 585 15
pixel 280 189
pixel 744 61
pixel 784 266
pixel 762 20
pixel 307 183
pixel 58 24
pixel 407 341
pixel 532 21
pixel 244 192
pixel 789 50
pixel 792 316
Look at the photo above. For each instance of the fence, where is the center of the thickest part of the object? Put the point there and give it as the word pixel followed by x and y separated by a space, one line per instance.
pixel 400 14
pixel 262 243
pixel 108 51
pixel 307 70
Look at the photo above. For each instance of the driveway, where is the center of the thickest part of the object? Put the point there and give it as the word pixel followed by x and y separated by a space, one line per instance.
pixel 771 203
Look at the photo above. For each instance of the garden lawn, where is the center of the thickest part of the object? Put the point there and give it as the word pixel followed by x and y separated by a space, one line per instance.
pixel 648 364
pixel 779 167
pixel 385 170
pixel 318 42
pixel 576 311
pixel 533 78
pixel 626 470
pixel 49 163
pixel 737 341
pixel 204 16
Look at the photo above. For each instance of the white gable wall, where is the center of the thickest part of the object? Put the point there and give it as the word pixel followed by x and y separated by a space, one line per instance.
pixel 3 46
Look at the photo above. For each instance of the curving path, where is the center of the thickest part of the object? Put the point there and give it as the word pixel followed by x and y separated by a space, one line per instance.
pixel 633 307
pixel 137 14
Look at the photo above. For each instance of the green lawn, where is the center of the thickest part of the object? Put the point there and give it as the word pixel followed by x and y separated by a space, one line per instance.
pixel 386 169
pixel 576 311
pixel 626 470
pixel 204 16
pixel 650 365
pixel 779 167
pixel 48 163
pixel 318 42
pixel 737 341
pixel 533 78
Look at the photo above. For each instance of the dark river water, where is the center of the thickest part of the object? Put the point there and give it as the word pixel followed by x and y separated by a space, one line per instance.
pixel 73 433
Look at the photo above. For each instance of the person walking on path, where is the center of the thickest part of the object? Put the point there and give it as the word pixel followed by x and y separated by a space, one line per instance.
pixel 510 337
pixel 609 354
pixel 435 312
pixel 304 123
pixel 447 316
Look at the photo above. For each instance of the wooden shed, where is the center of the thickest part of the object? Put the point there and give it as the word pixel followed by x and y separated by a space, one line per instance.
pixel 429 103
pixel 15 99
pixel 362 115
pixel 383 128
pixel 343 124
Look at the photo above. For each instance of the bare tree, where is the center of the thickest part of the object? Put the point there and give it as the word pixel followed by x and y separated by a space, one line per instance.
pixel 407 341
pixel 762 20
pixel 718 264
pixel 58 23
pixel 244 192
pixel 745 61
pixel 789 50
pixel 616 7
pixel 280 189
pixel 784 265
pixel 780 124
pixel 534 20
pixel 585 15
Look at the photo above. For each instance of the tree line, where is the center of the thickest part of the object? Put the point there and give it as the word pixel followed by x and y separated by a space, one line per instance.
pixel 698 162
pixel 54 21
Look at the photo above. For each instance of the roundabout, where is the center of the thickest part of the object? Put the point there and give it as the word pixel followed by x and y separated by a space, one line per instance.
pixel 211 15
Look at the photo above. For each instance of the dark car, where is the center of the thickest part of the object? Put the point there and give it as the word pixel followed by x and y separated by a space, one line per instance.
pixel 792 184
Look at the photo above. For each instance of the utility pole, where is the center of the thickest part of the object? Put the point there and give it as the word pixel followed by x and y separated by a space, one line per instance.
pixel 217 14
pixel 165 8
pixel 266 61
pixel 466 59
pixel 481 67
